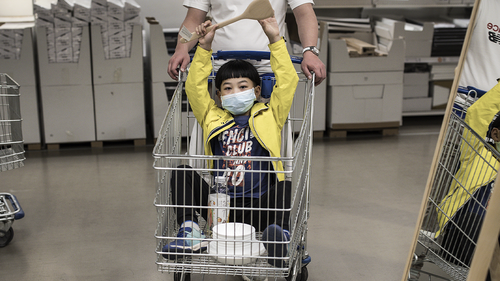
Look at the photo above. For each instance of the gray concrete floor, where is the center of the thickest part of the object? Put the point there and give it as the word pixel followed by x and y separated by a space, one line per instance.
pixel 90 213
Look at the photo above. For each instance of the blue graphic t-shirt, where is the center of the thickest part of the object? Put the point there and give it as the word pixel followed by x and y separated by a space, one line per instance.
pixel 240 141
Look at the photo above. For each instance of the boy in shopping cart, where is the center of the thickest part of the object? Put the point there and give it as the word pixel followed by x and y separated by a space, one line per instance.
pixel 242 127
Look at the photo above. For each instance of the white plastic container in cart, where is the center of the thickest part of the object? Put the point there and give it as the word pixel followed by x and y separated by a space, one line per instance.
pixel 233 254
pixel 11 153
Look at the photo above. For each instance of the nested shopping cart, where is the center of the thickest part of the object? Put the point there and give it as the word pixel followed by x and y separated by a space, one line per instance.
pixel 11 153
pixel 179 148
pixel 466 169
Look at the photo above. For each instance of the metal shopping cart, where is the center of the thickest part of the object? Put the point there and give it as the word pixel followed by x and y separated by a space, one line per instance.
pixel 466 169
pixel 11 153
pixel 173 150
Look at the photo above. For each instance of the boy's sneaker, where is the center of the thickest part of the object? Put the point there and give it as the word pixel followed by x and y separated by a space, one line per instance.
pixel 274 233
pixel 182 245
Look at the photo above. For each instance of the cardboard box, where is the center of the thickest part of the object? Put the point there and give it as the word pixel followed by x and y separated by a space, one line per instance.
pixel 98 12
pixel 417 104
pixel 102 3
pixel 116 10
pixel 131 9
pixel 64 5
pixel 116 27
pixel 82 10
pixel 418 41
pixel 113 71
pixel 42 9
pixel 393 29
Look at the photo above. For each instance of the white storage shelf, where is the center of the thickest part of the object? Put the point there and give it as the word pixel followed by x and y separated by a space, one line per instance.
pixel 119 91
pixel 22 71
pixel 157 58
pixel 66 92
pixel 364 90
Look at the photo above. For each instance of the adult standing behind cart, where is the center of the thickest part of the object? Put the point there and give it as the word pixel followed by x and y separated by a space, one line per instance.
pixel 247 35
pixel 241 122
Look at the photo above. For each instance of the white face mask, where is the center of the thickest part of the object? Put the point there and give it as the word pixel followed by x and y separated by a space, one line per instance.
pixel 239 103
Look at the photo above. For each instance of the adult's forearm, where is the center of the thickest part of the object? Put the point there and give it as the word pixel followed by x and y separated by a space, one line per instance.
pixel 307 24
pixel 194 18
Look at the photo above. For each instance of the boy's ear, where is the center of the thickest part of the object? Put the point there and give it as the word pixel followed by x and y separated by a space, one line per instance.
pixel 495 134
pixel 257 92
pixel 218 96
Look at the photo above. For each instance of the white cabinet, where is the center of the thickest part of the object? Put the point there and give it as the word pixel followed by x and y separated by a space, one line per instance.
pixel 119 91
pixel 66 93
pixel 156 61
pixel 22 70
pixel 364 92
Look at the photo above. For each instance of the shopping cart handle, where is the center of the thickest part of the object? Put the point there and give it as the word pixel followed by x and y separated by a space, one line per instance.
pixel 249 55
pixel 20 213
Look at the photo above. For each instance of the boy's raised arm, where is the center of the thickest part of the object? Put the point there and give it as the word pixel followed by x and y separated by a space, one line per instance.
pixel 196 83
pixel 271 29
pixel 206 38
pixel 284 72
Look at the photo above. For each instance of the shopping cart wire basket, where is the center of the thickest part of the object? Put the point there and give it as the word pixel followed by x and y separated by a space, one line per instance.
pixel 179 151
pixel 11 153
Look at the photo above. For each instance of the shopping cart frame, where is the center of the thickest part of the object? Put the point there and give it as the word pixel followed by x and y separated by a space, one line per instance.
pixel 171 150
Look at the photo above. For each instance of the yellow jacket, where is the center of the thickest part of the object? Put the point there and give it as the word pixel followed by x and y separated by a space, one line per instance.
pixel 477 165
pixel 266 120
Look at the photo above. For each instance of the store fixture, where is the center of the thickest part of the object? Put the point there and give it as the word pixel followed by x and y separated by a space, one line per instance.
pixel 157 81
pixel 364 92
pixel 119 91
pixel 22 69
pixel 66 93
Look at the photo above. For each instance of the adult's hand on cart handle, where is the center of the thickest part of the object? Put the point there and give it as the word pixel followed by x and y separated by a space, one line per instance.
pixel 206 31
pixel 312 63
pixel 178 62
pixel 271 29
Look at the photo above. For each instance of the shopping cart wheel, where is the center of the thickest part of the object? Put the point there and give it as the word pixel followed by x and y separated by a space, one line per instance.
pixel 304 274
pixel 178 276
pixel 6 237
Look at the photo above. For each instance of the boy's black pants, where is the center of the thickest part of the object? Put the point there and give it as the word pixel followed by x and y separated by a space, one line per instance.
pixel 189 190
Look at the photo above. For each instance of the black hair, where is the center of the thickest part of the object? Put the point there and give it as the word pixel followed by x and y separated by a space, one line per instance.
pixel 496 121
pixel 237 69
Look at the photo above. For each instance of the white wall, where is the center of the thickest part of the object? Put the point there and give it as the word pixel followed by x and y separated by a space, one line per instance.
pixel 170 13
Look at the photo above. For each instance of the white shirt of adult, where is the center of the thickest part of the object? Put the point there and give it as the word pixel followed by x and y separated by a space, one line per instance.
pixel 481 68
pixel 244 34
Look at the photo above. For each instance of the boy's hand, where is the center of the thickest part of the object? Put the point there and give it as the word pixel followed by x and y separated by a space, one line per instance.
pixel 271 29
pixel 206 36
